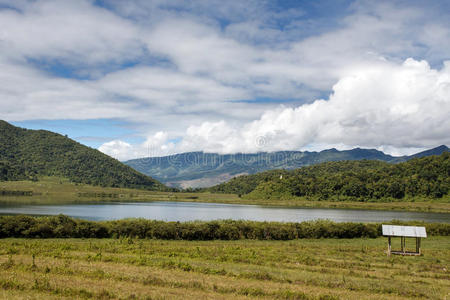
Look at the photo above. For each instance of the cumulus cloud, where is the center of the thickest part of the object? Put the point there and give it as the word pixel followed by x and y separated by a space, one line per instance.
pixel 119 150
pixel 155 145
pixel 393 107
pixel 386 104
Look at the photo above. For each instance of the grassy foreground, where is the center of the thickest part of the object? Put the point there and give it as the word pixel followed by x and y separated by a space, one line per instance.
pixel 155 269
pixel 50 190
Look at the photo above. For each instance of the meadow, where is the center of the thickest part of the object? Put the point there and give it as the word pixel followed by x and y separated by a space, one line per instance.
pixel 127 268
pixel 51 190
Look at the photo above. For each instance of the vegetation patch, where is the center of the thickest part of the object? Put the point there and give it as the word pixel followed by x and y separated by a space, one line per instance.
pixel 65 227
pixel 426 178
pixel 15 193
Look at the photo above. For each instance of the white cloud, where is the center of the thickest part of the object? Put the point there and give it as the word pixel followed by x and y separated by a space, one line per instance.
pixel 191 61
pixel 118 149
pixel 73 32
pixel 156 145
pixel 384 104
pixel 27 94
pixel 398 108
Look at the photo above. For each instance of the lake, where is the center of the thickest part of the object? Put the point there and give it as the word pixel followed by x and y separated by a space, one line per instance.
pixel 189 211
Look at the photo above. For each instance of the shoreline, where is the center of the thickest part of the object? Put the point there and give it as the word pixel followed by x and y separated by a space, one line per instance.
pixel 55 190
pixel 401 206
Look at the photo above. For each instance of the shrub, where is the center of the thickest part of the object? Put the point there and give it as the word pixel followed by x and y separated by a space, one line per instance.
pixel 64 227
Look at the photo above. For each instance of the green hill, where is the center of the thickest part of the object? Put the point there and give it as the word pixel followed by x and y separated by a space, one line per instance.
pixel 28 154
pixel 425 177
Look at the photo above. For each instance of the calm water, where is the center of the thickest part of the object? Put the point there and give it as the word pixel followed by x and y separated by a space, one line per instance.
pixel 186 211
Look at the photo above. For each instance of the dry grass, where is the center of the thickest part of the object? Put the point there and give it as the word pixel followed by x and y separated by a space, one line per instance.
pixel 154 269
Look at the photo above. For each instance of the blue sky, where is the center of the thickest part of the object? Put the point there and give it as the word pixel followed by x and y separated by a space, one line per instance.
pixel 92 132
pixel 138 78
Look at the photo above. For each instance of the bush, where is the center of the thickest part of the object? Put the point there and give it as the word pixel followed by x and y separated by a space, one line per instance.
pixel 65 227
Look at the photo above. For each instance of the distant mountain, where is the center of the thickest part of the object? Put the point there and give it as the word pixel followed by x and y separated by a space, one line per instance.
pixel 435 151
pixel 199 169
pixel 28 154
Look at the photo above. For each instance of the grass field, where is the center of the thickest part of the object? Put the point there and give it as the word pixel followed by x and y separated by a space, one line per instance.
pixel 155 269
pixel 55 190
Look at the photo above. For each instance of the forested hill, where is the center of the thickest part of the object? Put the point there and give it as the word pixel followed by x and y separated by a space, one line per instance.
pixel 199 169
pixel 28 154
pixel 426 177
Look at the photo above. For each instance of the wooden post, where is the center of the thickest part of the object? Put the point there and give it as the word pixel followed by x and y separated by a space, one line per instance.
pixel 419 245
pixel 389 246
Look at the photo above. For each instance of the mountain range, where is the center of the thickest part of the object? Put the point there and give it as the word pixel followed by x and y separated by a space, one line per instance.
pixel 28 154
pixel 199 169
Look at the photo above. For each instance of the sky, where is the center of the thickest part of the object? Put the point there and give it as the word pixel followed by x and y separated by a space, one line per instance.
pixel 151 78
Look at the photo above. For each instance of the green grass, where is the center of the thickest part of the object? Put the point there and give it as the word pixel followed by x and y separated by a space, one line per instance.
pixel 154 269
pixel 51 190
